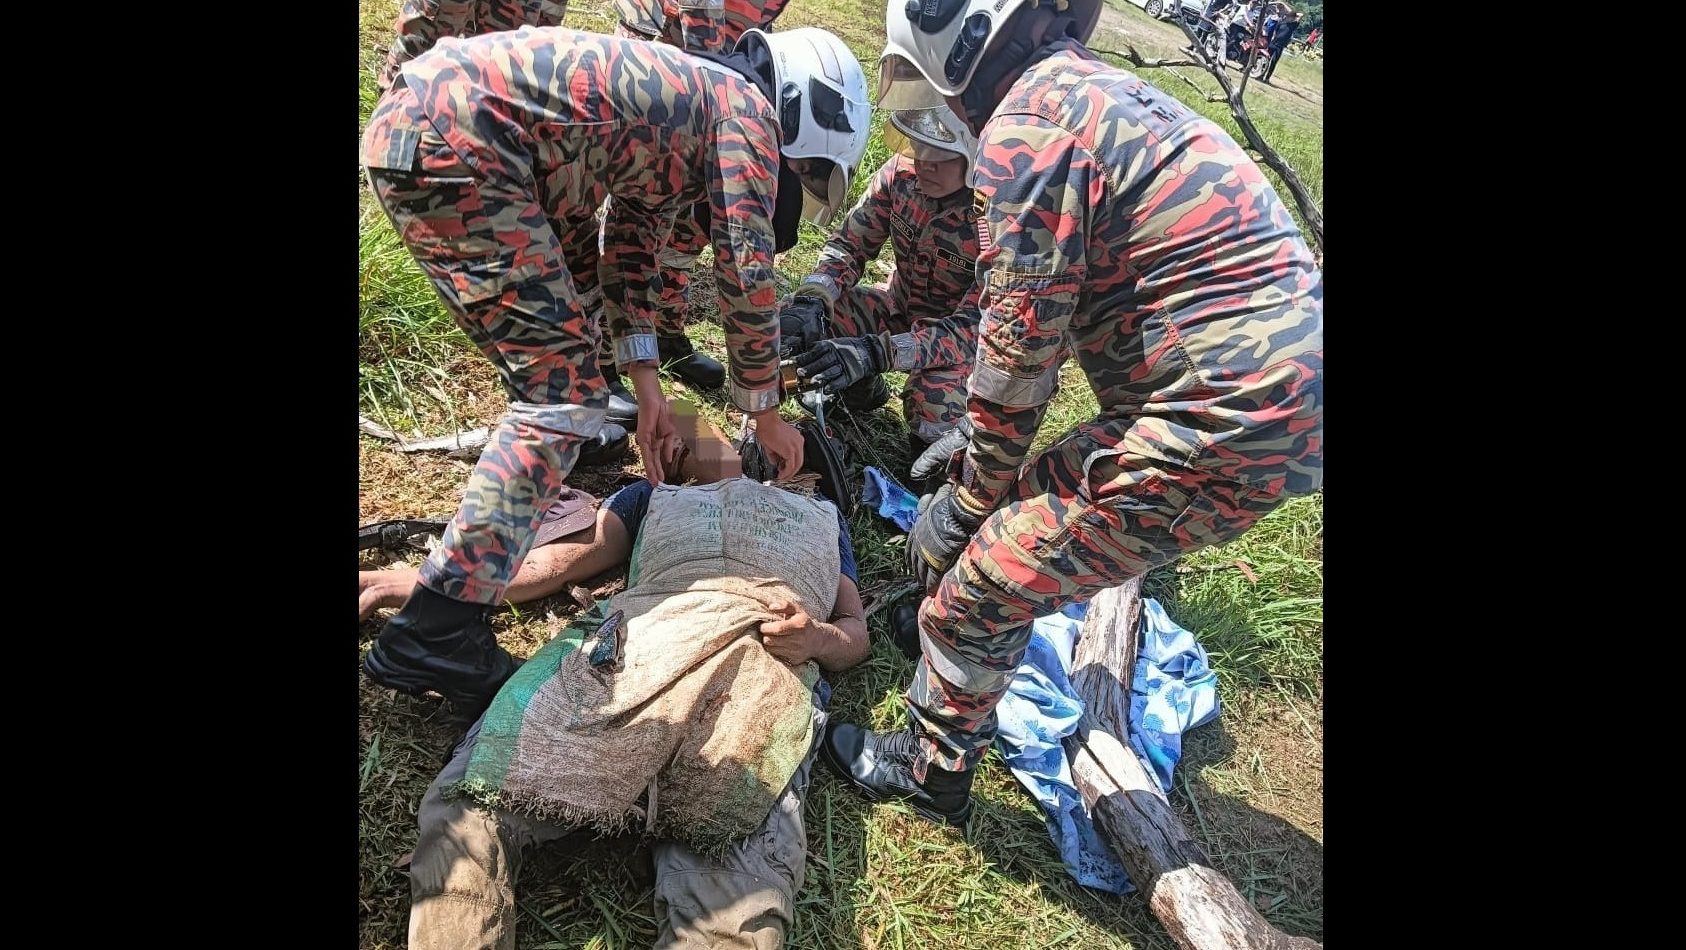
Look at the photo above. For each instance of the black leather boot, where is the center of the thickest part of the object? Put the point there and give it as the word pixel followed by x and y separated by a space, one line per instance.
pixel 623 405
pixel 681 359
pixel 916 445
pixel 904 627
pixel 444 645
pixel 867 395
pixel 880 766
pixel 607 449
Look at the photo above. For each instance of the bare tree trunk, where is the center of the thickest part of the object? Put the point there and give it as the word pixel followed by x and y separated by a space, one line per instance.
pixel 1309 210
pixel 1197 904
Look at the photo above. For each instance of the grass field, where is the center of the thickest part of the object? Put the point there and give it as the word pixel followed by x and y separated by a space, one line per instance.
pixel 1250 783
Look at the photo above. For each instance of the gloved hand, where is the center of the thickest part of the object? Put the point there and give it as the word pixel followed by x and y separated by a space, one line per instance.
pixel 834 365
pixel 941 533
pixel 934 460
pixel 801 323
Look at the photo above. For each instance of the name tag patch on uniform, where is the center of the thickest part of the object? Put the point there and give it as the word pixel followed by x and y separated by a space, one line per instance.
pixel 958 260
pixel 395 150
pixel 902 226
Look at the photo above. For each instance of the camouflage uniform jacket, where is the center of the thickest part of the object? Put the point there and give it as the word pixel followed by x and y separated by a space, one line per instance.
pixel 933 286
pixel 1129 230
pixel 578 117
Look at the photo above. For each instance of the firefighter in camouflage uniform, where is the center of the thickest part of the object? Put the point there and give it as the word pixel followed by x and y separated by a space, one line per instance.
pixel 700 26
pixel 924 321
pixel 1126 229
pixel 492 156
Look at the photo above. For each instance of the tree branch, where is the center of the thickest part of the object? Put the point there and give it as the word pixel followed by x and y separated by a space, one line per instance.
pixel 1135 59
pixel 1232 95
pixel 1200 907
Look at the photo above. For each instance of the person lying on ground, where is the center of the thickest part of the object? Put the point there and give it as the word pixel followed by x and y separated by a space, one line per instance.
pixel 467 856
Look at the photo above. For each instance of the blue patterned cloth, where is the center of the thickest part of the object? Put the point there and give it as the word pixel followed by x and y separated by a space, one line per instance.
pixel 1172 690
pixel 892 500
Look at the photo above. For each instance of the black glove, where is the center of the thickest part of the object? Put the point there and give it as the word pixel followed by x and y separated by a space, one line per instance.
pixel 801 322
pixel 942 531
pixel 835 365
pixel 757 467
pixel 934 460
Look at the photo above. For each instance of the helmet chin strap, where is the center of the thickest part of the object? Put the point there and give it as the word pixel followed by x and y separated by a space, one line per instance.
pixel 979 98
pixel 754 62
pixel 787 208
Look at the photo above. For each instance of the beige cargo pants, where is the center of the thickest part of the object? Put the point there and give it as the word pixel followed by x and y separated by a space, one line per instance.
pixel 462 875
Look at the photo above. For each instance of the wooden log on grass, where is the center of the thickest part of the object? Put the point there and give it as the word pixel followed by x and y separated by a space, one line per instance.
pixel 1197 904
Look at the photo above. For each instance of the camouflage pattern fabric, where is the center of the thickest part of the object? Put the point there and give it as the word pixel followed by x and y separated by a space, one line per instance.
pixel 706 26
pixel 492 157
pixel 422 22
pixel 928 309
pixel 1129 230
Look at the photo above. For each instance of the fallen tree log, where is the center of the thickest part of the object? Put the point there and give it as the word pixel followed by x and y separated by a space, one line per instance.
pixel 1197 904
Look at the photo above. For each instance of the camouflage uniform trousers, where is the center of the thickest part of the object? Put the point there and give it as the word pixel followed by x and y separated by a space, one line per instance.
pixel 466 859
pixel 503 270
pixel 674 264
pixel 1083 516
pixel 702 25
pixel 935 398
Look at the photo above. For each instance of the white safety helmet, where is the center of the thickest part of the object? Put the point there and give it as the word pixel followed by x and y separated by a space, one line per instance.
pixel 941 41
pixel 822 108
pixel 932 134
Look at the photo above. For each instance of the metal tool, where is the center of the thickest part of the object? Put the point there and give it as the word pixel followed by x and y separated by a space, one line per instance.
pixel 393 534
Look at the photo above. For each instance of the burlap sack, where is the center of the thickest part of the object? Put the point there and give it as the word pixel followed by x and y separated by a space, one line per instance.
pixel 696 708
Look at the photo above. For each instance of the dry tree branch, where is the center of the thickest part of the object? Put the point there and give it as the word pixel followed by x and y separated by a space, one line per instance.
pixel 1232 95
pixel 1136 60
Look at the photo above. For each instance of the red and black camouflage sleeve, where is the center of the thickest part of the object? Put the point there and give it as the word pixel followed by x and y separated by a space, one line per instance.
pixel 941 341
pixel 626 271
pixel 743 183
pixel 935 342
pixel 858 240
pixel 1039 183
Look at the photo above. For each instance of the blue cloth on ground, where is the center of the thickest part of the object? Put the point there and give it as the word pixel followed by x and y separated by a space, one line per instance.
pixel 1172 689
pixel 892 500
